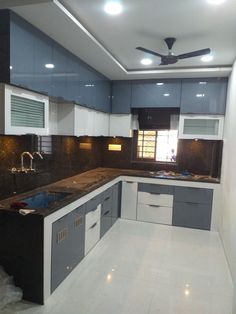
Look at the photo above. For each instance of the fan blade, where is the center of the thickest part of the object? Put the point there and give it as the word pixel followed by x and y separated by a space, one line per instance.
pixel 196 53
pixel 149 51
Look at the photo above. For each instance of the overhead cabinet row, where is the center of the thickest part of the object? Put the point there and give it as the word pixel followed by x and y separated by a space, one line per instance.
pixel 196 96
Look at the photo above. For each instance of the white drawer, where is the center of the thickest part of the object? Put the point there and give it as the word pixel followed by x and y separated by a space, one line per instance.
pixel 92 236
pixel 155 214
pixel 155 199
pixel 92 217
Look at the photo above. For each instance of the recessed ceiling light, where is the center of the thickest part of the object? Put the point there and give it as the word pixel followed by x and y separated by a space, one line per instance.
pixel 166 95
pixel 207 58
pixel 49 66
pixel 146 61
pixel 160 84
pixel 216 2
pixel 202 83
pixel 113 7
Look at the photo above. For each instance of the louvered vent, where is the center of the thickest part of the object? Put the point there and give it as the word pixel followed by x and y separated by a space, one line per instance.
pixel 27 112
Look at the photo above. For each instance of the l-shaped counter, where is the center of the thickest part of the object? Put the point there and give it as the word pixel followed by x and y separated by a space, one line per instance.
pixel 36 243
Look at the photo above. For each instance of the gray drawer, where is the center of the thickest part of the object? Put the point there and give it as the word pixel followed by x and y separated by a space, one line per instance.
pixel 190 215
pixel 106 194
pixel 107 205
pixel 156 188
pixel 92 204
pixel 193 195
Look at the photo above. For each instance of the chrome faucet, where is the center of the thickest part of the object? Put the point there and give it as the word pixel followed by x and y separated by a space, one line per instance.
pixel 23 169
pixel 31 161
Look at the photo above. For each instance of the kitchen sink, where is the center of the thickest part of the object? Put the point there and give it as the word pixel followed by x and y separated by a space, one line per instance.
pixel 44 199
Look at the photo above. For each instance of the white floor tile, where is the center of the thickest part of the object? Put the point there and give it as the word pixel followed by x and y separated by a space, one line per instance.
pixel 148 269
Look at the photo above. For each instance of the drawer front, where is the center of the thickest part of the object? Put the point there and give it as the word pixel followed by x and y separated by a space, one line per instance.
pixel 92 204
pixel 197 216
pixel 193 195
pixel 92 217
pixel 156 188
pixel 92 236
pixel 106 194
pixel 107 205
pixel 155 199
pixel 155 214
pixel 106 223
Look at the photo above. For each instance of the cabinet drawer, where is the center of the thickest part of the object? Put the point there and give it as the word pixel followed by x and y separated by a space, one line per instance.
pixel 106 205
pixel 155 214
pixel 92 236
pixel 193 195
pixel 156 188
pixel 92 217
pixel 192 215
pixel 155 199
pixel 92 204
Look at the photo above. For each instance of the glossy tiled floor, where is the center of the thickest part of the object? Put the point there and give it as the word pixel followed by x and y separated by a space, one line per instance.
pixel 141 268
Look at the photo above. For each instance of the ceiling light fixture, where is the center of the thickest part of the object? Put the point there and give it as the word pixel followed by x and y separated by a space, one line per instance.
pixel 49 66
pixel 166 95
pixel 207 58
pixel 160 84
pixel 216 2
pixel 146 61
pixel 113 7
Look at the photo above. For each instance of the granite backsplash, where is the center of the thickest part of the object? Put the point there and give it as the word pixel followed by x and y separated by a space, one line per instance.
pixel 65 156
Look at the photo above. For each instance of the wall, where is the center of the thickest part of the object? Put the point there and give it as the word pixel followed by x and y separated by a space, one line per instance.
pixel 228 223
pixel 63 158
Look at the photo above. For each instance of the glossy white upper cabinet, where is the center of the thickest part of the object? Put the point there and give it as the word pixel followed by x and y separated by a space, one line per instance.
pixel 23 111
pixel 76 120
pixel 204 96
pixel 208 127
pixel 123 125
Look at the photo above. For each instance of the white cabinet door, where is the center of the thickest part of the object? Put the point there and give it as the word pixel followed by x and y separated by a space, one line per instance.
pixel 155 199
pixel 92 228
pixel 100 124
pixel 121 125
pixel 129 200
pixel 84 121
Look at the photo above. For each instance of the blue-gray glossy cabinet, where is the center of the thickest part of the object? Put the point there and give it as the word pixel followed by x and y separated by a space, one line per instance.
pixel 106 212
pixel 156 94
pixel 204 96
pixel 121 97
pixel 116 202
pixel 192 208
pixel 70 78
pixel 68 238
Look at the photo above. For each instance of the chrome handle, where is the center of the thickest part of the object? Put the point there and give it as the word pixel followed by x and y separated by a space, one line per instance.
pixel 107 212
pixel 93 226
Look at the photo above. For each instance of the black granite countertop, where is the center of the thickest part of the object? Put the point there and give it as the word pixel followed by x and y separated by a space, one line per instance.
pixel 82 184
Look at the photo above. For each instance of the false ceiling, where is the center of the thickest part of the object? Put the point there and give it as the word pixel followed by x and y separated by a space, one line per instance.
pixel 108 42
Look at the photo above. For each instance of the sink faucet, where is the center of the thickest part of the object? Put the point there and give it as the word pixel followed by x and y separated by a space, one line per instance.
pixel 23 169
pixel 31 161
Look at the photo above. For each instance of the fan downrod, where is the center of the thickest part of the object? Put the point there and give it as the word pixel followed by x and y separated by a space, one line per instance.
pixel 170 42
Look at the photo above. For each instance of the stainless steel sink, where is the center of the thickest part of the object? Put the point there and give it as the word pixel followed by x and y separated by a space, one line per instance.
pixel 44 199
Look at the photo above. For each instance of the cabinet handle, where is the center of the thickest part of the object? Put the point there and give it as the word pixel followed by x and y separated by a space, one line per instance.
pixel 192 203
pixel 107 212
pixel 107 198
pixel 93 226
pixel 154 193
pixel 129 182
pixel 154 206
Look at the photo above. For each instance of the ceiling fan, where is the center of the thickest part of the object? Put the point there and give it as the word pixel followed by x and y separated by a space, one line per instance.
pixel 171 58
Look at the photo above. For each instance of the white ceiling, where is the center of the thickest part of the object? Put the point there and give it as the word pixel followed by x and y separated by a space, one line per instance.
pixel 108 42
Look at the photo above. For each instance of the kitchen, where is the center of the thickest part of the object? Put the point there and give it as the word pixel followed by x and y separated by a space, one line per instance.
pixel 116 154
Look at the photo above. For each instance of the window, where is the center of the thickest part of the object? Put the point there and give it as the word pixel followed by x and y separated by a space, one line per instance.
pixel 157 145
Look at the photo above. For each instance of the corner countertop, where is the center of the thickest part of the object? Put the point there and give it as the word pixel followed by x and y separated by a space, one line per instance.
pixel 84 183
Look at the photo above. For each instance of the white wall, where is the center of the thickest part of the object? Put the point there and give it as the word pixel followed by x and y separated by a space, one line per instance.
pixel 228 219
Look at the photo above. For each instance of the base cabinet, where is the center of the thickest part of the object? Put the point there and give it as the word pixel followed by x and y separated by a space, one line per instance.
pixel 116 202
pixel 67 245
pixel 92 231
pixel 192 208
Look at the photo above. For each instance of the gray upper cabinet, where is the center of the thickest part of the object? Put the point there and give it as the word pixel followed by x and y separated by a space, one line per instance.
pixel 204 96
pixel 121 97
pixel 156 94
